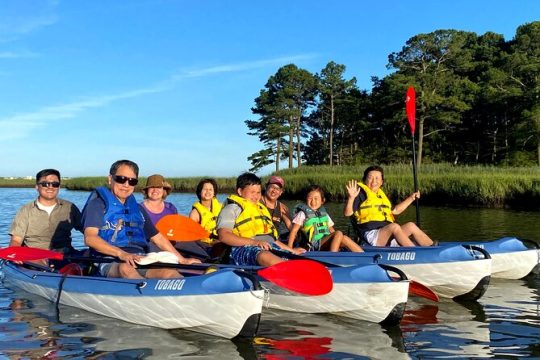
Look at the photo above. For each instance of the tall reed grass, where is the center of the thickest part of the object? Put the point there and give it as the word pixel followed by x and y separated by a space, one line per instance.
pixel 440 184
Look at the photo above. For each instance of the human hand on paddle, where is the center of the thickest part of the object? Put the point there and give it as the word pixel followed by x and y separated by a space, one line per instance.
pixel 188 261
pixel 415 195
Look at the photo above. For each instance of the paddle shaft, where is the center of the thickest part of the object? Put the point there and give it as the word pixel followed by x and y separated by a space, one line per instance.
pixel 415 177
pixel 303 276
pixel 157 265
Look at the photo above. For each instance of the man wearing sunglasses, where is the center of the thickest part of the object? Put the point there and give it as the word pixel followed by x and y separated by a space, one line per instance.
pixel 115 225
pixel 46 222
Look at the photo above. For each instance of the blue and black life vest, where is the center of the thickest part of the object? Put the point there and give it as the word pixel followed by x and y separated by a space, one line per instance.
pixel 124 223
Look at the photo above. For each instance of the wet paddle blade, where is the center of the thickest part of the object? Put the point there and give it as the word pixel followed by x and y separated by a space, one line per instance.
pixel 23 253
pixel 181 228
pixel 303 276
pixel 418 289
pixel 410 108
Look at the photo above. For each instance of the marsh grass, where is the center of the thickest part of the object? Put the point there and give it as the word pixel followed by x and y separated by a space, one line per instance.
pixel 17 182
pixel 178 184
pixel 440 184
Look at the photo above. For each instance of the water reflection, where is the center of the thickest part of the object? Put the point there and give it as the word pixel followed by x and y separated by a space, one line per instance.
pixel 499 325
pixel 446 330
pixel 514 321
pixel 26 332
pixel 323 337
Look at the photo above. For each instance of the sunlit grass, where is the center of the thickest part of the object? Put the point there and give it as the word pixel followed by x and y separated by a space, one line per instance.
pixel 440 184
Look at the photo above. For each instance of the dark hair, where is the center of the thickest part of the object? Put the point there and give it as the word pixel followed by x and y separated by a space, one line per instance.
pixel 128 163
pixel 311 188
pixel 247 179
pixel 201 184
pixel 47 172
pixel 372 168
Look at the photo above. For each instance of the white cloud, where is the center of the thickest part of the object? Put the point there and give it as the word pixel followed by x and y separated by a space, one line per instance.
pixel 21 125
pixel 243 66
pixel 17 55
pixel 19 18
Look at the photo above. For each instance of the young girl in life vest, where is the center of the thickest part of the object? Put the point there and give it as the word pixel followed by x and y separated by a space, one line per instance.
pixel 313 220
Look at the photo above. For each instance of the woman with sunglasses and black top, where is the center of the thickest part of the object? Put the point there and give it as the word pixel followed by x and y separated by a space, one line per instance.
pixel 115 225
pixel 46 222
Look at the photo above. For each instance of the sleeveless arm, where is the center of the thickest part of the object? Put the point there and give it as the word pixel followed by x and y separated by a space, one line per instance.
pixel 402 206
pixel 194 215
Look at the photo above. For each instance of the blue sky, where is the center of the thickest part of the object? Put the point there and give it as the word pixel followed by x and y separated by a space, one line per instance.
pixel 169 83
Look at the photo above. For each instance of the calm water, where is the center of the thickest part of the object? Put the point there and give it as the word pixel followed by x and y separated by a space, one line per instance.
pixel 505 323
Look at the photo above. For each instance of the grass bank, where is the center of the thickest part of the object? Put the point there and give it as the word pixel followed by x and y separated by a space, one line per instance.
pixel 440 184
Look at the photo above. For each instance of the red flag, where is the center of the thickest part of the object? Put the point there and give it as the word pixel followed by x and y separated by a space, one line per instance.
pixel 410 108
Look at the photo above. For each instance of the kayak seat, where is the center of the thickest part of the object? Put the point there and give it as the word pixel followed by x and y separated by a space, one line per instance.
pixel 353 233
pixel 220 253
pixel 71 269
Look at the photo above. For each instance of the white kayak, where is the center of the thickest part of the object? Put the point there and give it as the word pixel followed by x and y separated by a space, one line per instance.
pixel 364 292
pixel 457 272
pixel 224 303
pixel 511 258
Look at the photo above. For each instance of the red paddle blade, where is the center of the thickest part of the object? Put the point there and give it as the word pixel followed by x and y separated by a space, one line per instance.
pixel 410 108
pixel 23 253
pixel 418 289
pixel 181 228
pixel 303 276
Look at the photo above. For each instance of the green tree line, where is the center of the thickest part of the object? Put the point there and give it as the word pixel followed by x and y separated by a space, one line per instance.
pixel 477 102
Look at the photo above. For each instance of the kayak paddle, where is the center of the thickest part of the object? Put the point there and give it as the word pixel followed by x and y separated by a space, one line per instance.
pixel 181 228
pixel 302 276
pixel 410 109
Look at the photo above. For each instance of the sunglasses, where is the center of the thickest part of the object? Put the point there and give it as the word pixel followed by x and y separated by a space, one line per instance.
pixel 45 184
pixel 122 180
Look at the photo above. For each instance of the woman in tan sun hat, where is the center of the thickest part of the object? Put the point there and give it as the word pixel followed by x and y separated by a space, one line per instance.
pixel 155 192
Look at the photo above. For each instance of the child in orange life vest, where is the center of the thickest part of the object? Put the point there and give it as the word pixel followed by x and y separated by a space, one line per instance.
pixel 375 216
pixel 315 222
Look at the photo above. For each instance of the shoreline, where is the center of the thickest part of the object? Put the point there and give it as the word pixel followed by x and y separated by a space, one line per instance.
pixel 439 184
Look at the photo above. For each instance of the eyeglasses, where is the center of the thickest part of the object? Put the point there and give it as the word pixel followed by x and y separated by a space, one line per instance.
pixel 45 184
pixel 122 180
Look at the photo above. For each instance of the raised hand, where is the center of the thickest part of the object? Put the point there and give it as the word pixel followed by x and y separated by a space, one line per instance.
pixel 352 189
